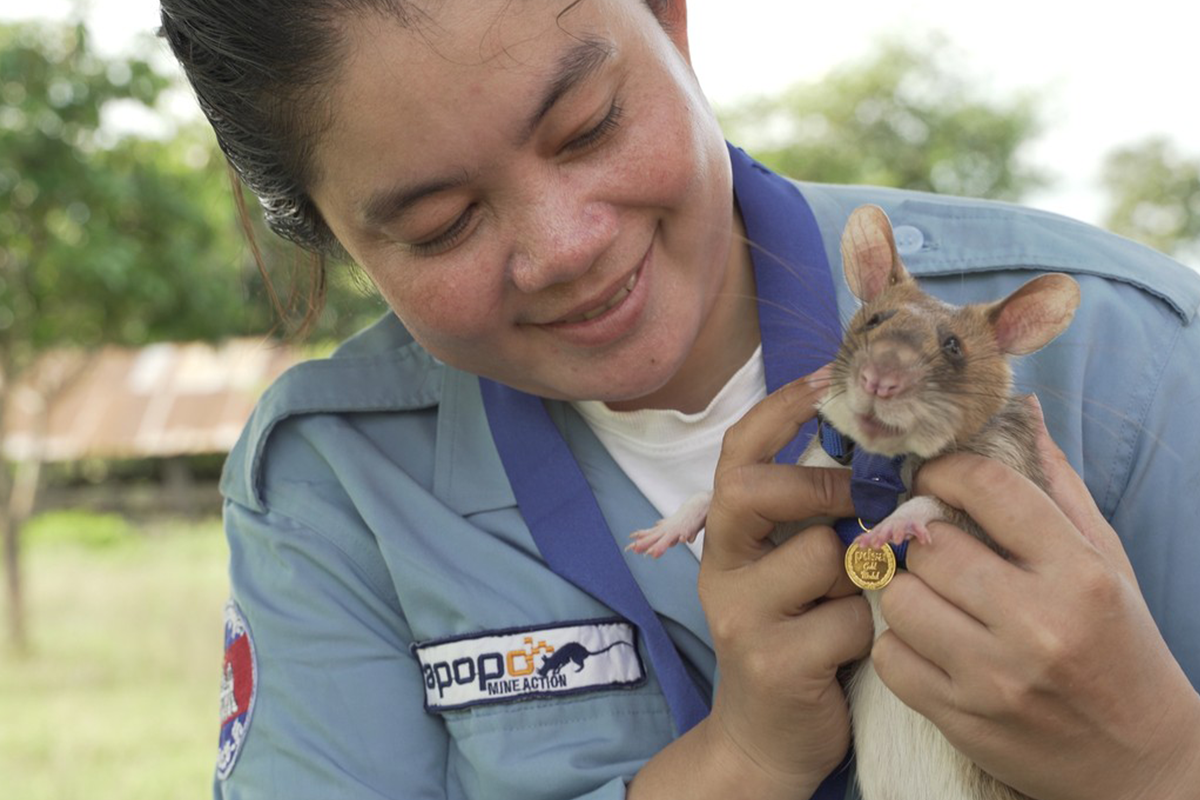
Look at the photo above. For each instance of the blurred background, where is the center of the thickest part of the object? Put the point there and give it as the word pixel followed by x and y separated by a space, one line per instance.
pixel 136 333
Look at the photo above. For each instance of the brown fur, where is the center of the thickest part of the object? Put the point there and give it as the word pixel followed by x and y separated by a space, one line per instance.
pixel 918 377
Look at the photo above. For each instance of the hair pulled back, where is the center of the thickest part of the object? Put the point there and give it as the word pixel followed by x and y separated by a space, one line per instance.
pixel 261 70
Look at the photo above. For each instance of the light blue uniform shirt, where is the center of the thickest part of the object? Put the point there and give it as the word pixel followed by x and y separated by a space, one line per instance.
pixel 367 510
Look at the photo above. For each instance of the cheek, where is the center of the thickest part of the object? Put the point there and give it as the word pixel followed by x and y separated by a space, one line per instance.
pixel 445 309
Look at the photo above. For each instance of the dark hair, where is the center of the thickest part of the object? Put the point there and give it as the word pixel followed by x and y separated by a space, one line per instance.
pixel 261 71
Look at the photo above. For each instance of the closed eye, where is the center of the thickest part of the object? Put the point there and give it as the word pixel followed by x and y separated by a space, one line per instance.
pixel 447 238
pixel 595 135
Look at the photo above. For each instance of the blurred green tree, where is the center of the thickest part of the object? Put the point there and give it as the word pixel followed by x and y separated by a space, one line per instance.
pixel 1154 197
pixel 907 116
pixel 109 237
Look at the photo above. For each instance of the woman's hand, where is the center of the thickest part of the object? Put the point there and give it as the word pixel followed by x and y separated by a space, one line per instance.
pixel 784 618
pixel 1047 670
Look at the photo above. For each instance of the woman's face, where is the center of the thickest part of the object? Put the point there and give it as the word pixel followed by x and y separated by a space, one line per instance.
pixel 542 200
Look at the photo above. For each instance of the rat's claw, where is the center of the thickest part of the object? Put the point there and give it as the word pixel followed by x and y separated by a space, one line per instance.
pixel 909 521
pixel 682 526
pixel 659 539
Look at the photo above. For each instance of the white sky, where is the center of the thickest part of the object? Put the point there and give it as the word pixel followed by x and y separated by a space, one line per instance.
pixel 1111 77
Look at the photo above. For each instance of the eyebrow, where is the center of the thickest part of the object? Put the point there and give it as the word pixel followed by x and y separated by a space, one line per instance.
pixel 576 64
pixel 389 205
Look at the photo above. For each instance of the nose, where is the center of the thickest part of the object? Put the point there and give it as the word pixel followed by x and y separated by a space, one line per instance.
pixel 888 371
pixel 562 234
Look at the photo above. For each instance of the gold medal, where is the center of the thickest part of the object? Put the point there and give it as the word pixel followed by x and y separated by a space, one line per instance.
pixel 870 569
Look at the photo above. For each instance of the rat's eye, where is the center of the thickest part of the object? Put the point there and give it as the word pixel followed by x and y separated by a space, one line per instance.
pixel 877 319
pixel 952 347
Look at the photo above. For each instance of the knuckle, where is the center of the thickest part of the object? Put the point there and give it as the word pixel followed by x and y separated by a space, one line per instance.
pixel 823 546
pixel 728 624
pixel 798 399
pixel 1011 697
pixel 824 486
pixel 758 666
pixel 1098 586
pixel 980 472
pixel 733 490
pixel 731 440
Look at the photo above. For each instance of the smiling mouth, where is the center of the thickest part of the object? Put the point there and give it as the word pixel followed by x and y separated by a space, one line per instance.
pixel 875 428
pixel 611 303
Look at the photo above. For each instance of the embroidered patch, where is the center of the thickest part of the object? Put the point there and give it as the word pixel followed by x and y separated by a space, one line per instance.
pixel 527 663
pixel 239 685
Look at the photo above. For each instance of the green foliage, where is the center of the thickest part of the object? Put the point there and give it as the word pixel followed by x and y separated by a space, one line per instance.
pixel 1155 197
pixel 78 529
pixel 104 240
pixel 906 117
pixel 114 239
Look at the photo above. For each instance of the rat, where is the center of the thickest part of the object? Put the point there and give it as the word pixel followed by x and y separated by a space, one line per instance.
pixel 916 377
pixel 572 652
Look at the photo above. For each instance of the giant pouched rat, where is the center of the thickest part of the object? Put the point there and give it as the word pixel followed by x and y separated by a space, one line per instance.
pixel 917 377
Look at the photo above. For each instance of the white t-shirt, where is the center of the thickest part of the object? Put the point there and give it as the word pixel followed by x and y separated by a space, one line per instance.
pixel 669 455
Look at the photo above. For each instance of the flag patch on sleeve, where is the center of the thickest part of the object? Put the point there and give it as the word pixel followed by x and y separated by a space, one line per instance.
pixel 527 663
pixel 239 684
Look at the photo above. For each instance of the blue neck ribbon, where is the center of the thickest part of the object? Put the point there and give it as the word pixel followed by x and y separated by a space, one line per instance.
pixel 799 326
pixel 875 486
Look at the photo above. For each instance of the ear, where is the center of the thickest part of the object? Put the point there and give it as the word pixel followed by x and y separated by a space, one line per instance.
pixel 1032 316
pixel 869 254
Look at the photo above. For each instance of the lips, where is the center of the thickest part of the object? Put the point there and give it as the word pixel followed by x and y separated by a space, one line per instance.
pixel 612 302
pixel 875 428
pixel 610 314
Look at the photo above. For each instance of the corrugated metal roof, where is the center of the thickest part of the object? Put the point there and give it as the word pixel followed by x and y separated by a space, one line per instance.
pixel 163 400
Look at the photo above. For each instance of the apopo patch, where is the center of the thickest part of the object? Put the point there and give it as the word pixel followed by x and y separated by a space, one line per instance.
pixel 526 663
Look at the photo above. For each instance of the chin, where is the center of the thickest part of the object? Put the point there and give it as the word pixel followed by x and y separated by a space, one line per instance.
pixel 881 437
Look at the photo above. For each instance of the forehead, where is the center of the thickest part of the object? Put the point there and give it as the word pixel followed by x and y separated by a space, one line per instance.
pixel 423 81
pixel 909 301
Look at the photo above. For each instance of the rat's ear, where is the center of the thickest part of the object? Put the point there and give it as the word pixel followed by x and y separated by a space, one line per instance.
pixel 1030 318
pixel 869 254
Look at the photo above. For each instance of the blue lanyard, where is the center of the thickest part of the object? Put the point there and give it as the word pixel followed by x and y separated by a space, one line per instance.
pixel 875 486
pixel 799 325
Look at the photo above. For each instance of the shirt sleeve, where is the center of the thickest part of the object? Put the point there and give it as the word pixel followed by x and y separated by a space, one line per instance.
pixel 1158 514
pixel 338 708
pixel 337 697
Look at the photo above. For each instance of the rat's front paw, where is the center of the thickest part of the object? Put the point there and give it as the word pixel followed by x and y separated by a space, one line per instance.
pixel 909 521
pixel 682 526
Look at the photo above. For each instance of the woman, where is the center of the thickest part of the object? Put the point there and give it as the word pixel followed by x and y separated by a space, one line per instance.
pixel 426 601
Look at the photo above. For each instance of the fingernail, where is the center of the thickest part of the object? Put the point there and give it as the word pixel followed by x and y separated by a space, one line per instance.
pixel 821 378
pixel 1035 406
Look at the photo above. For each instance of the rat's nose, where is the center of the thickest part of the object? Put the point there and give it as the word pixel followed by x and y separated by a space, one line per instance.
pixel 887 374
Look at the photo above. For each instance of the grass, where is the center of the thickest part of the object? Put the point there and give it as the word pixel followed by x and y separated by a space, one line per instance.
pixel 117 697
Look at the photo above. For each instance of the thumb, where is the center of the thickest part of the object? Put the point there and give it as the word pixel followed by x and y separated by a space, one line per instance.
pixel 1071 495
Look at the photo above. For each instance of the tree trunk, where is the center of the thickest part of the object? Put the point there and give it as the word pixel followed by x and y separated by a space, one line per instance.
pixel 19 496
pixel 12 566
pixel 17 636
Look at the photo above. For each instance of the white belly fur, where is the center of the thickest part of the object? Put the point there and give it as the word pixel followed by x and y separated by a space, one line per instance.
pixel 900 754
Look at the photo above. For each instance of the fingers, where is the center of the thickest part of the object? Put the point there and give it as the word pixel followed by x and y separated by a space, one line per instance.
pixel 931 625
pixel 799 593
pixel 836 633
pixel 751 494
pixel 772 423
pixel 965 571
pixel 1019 516
pixel 803 569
